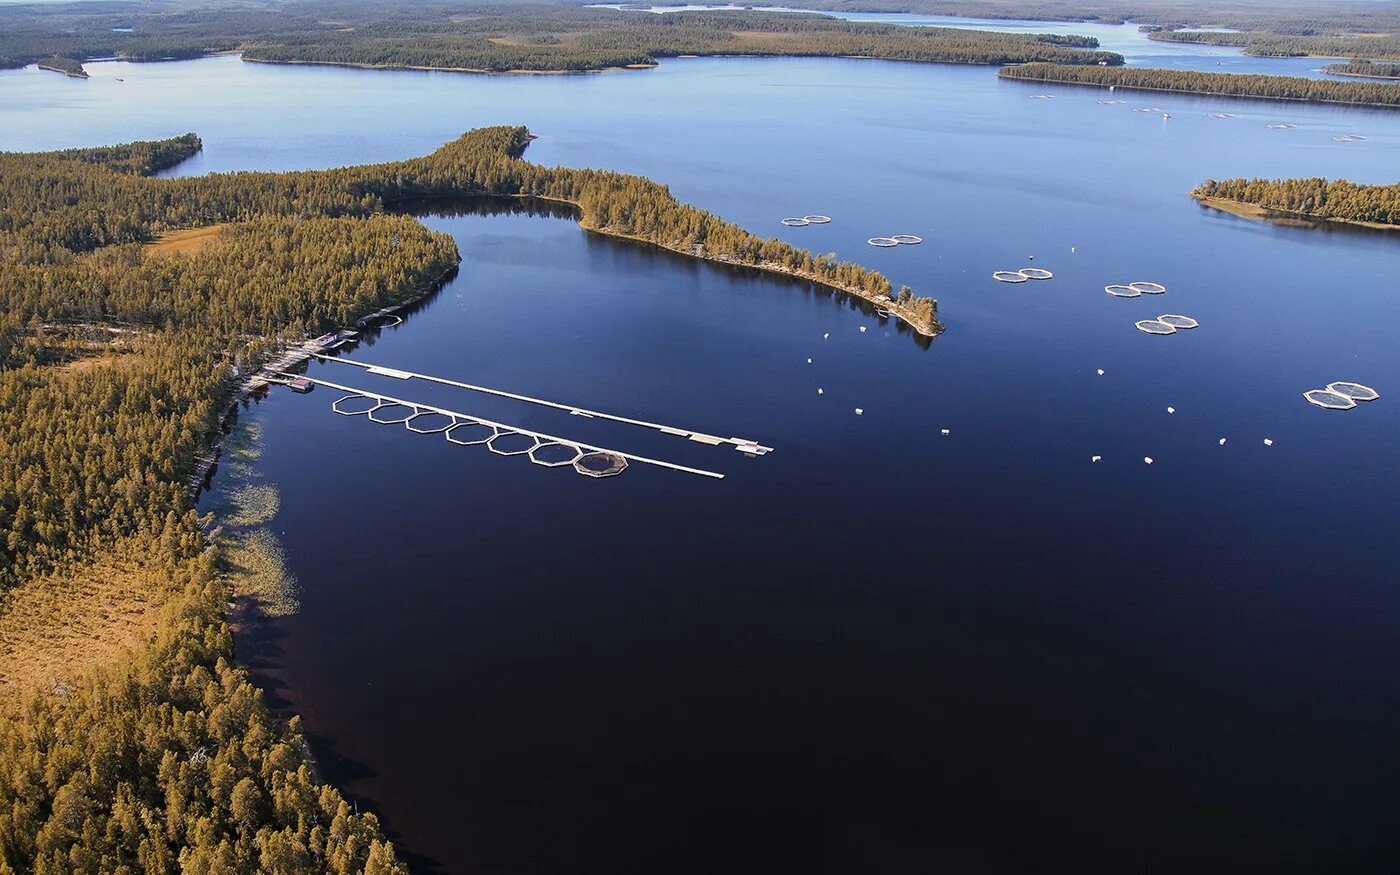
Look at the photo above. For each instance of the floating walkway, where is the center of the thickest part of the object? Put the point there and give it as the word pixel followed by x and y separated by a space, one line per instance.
pixel 464 429
pixel 743 445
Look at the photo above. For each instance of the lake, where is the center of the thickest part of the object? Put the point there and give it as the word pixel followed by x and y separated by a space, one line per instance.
pixel 880 648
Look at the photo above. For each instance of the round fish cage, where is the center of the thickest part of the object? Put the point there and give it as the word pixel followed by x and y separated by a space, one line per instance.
pixel 907 239
pixel 884 242
pixel 795 222
pixel 600 464
pixel 1008 276
pixel 1152 326
pixel 1149 288
pixel 1328 400
pixel 1354 391
pixel 1118 291
pixel 1176 320
pixel 817 220
pixel 1035 273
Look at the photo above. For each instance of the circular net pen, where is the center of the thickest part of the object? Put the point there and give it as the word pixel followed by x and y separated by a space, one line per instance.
pixel 600 464
pixel 555 455
pixel 1152 326
pixel 1354 391
pixel 1328 400
pixel 1035 273
pixel 796 222
pixel 1149 288
pixel 1119 291
pixel 817 220
pixel 1008 276
pixel 1176 320
pixel 353 405
pixel 907 239
pixel 884 242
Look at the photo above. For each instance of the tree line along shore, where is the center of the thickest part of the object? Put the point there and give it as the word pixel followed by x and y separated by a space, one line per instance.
pixel 1333 200
pixel 166 758
pixel 535 37
pixel 1214 84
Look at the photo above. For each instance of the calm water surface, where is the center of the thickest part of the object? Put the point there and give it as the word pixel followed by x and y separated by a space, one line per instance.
pixel 879 649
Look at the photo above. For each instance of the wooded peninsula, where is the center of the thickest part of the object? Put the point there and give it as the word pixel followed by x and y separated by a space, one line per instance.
pixel 1334 200
pixel 1215 84
pixel 162 756
pixel 1285 45
pixel 1365 69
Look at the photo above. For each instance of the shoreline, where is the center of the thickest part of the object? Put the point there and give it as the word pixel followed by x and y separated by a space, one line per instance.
pixel 1360 75
pixel 81 74
pixel 766 267
pixel 425 69
pixel 1001 74
pixel 1257 212
pixel 285 355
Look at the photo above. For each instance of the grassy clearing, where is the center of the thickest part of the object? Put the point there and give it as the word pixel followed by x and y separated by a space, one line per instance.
pixel 56 630
pixel 186 242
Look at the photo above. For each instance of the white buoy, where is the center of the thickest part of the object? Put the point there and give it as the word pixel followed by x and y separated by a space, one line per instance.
pixel 1074 249
pixel 1268 442
pixel 1095 458
pixel 859 411
pixel 1147 459
pixel 1222 442
pixel 819 392
pixel 945 432
pixel 809 361
pixel 1100 372
pixel 862 329
pixel 826 335
pixel 1169 409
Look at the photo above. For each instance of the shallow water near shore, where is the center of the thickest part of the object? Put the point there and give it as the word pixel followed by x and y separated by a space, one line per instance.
pixel 880 648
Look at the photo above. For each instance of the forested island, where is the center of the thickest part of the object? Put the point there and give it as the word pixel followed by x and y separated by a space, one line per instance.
pixel 1333 200
pixel 1285 45
pixel 147 748
pixel 1216 84
pixel 486 37
pixel 1365 70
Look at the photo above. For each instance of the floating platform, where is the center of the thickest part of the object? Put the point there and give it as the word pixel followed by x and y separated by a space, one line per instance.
pixel 817 220
pixel 796 222
pixel 907 239
pixel 1354 391
pixel 1328 400
pixel 1176 320
pixel 1148 288
pixel 1035 273
pixel 1009 276
pixel 883 242
pixel 1121 291
pixel 1152 326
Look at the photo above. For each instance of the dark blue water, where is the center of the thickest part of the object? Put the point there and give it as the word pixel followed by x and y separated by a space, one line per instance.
pixel 879 649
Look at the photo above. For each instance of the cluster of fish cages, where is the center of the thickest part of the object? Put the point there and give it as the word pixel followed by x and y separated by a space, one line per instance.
pixel 896 240
pixel 1022 275
pixel 1341 395
pixel 804 221
pixel 1135 290
pixel 1167 323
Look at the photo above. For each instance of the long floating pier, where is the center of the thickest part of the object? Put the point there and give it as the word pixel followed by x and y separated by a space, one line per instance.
pixel 498 429
pixel 743 445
